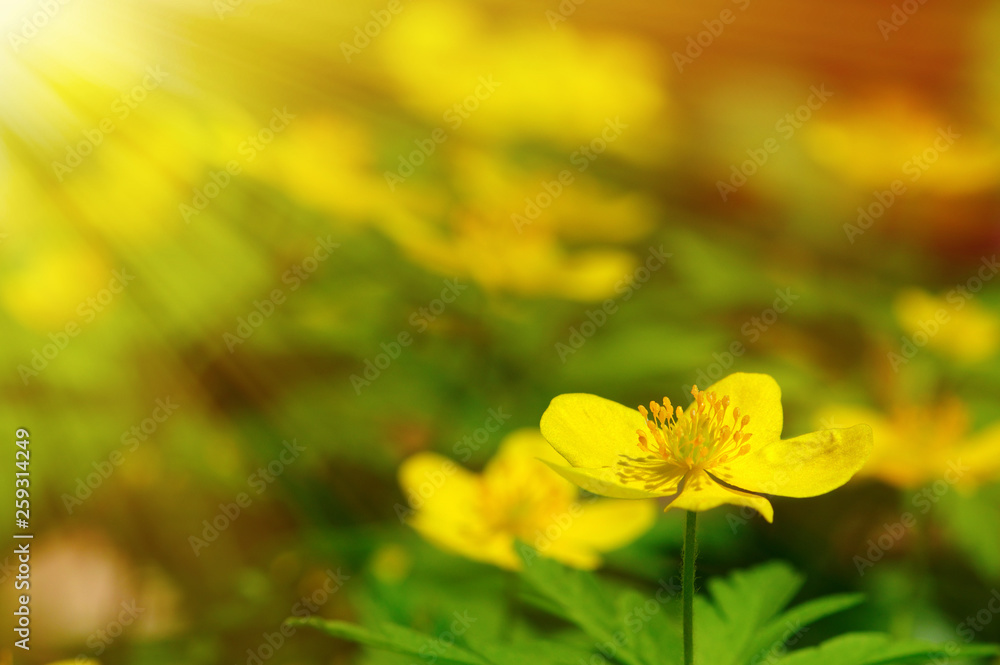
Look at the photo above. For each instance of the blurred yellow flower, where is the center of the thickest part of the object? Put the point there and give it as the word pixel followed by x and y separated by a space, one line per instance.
pixel 955 325
pixel 553 85
pixel 919 444
pixel 693 456
pixel 526 233
pixel 326 161
pixel 894 138
pixel 493 253
pixel 391 563
pixel 480 516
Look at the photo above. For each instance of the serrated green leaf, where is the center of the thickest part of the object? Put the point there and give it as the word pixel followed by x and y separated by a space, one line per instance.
pixel 789 624
pixel 398 639
pixel 743 603
pixel 394 638
pixel 533 651
pixel 648 630
pixel 578 597
pixel 877 649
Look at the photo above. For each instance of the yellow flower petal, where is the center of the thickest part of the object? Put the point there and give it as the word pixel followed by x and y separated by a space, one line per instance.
pixel 516 497
pixel 436 486
pixel 758 396
pixel 524 447
pixel 981 454
pixel 894 460
pixel 962 329
pixel 607 524
pixel 605 482
pixel 580 558
pixel 496 548
pixel 590 431
pixel 703 493
pixel 807 465
pixel 516 473
pixel 447 503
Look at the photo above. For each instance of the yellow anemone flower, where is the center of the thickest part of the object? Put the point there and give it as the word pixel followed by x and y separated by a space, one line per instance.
pixel 920 444
pixel 703 456
pixel 955 325
pixel 481 516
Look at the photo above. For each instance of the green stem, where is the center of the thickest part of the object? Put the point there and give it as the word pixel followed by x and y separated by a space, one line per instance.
pixel 690 552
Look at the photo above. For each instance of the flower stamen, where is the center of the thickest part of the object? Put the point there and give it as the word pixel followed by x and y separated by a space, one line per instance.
pixel 697 440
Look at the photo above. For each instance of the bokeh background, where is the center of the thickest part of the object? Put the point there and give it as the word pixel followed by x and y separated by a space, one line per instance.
pixel 221 218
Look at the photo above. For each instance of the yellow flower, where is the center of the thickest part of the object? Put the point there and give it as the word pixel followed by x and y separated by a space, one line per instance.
pixel 506 82
pixel 919 444
pixel 533 264
pixel 894 137
pixel 480 516
pixel 956 325
pixel 479 228
pixel 704 456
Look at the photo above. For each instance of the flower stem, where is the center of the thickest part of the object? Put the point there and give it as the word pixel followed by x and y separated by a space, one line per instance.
pixel 690 552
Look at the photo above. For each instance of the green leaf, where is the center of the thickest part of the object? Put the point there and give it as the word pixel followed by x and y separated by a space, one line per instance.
pixel 782 629
pixel 965 516
pixel 394 638
pixel 577 596
pixel 725 631
pixel 647 628
pixel 878 649
pixel 398 639
pixel 533 651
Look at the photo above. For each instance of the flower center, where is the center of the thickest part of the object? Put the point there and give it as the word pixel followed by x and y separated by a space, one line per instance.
pixel 521 506
pixel 678 442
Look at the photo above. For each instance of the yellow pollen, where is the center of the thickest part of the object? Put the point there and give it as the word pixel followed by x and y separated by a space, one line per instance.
pixel 676 443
